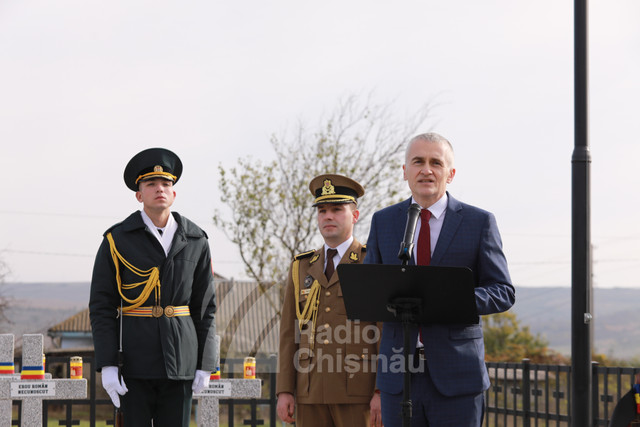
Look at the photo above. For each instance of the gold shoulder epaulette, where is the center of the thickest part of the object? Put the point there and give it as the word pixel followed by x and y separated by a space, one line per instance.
pixel 304 255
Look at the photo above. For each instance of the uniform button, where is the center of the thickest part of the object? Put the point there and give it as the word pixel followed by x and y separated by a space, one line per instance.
pixel 328 309
pixel 327 326
pixel 326 341
pixel 328 293
pixel 362 356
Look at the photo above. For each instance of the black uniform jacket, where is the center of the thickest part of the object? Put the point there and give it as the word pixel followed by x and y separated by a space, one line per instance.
pixel 164 347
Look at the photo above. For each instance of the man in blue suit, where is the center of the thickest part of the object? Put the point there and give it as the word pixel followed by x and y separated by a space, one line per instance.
pixel 447 388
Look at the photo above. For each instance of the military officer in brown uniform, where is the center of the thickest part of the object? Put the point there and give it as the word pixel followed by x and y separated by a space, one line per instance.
pixel 327 363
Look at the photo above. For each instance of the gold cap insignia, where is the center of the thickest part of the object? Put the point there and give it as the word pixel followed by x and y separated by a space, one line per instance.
pixel 158 168
pixel 334 189
pixel 328 188
pixel 354 257
pixel 314 259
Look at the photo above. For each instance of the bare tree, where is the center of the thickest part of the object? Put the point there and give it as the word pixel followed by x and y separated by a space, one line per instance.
pixel 4 300
pixel 271 217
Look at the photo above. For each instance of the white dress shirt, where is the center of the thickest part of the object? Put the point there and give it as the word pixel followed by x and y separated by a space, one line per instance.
pixel 438 211
pixel 168 231
pixel 341 248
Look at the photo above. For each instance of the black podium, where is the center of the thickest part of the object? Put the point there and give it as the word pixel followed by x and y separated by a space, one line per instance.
pixel 446 293
pixel 408 294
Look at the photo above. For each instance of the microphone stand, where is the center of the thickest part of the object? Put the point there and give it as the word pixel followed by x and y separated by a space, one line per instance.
pixel 407 309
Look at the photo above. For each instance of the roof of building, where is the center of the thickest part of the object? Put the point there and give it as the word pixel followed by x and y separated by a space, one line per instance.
pixel 79 322
pixel 247 318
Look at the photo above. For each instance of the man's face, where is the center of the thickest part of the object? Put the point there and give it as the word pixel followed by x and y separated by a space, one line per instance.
pixel 336 222
pixel 428 170
pixel 156 194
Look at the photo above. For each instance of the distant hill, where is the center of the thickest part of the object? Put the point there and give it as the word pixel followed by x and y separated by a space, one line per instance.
pixel 59 295
pixel 35 307
pixel 547 311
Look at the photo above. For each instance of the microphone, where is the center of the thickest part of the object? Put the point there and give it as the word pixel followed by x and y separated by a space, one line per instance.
pixel 406 247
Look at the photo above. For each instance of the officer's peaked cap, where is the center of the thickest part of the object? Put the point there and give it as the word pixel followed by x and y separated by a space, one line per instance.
pixel 332 188
pixel 152 163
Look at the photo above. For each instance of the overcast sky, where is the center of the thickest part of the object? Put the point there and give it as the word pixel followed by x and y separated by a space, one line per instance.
pixel 84 85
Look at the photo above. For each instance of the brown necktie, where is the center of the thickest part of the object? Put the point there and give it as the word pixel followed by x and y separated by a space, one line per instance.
pixel 424 239
pixel 330 267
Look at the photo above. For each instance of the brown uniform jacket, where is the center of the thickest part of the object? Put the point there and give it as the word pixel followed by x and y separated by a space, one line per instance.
pixel 340 367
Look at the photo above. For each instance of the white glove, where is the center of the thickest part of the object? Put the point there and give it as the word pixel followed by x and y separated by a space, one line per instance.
pixel 112 385
pixel 201 381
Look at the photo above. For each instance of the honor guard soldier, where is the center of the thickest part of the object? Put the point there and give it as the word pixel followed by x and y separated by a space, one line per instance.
pixel 327 364
pixel 152 301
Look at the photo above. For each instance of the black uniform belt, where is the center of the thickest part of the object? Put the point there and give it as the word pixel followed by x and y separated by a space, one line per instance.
pixel 157 311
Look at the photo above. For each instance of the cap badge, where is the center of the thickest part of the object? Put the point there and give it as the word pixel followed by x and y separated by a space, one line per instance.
pixel 353 257
pixel 158 168
pixel 328 188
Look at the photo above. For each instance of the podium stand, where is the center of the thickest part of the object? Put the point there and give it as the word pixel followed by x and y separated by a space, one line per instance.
pixel 408 294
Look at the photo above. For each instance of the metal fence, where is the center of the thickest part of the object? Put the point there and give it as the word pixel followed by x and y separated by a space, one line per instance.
pixel 521 394
pixel 526 394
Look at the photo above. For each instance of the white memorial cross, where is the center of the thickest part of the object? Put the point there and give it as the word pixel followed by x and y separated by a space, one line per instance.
pixel 6 373
pixel 208 399
pixel 33 392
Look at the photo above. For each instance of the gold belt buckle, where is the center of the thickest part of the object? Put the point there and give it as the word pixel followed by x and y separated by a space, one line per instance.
pixel 157 311
pixel 169 311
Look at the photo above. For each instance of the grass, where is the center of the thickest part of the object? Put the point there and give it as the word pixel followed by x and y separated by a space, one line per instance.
pixel 54 423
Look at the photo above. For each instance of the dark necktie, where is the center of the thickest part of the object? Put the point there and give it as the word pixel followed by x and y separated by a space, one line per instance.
pixel 424 239
pixel 160 231
pixel 424 244
pixel 330 267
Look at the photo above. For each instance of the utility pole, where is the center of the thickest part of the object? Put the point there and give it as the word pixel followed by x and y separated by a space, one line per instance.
pixel 581 286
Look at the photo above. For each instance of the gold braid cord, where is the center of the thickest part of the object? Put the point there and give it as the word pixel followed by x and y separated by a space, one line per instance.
pixel 310 310
pixel 151 284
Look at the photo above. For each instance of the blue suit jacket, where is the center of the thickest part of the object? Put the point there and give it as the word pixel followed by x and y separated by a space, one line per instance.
pixel 454 353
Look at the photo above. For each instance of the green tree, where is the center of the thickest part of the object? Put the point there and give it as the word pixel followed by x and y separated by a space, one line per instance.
pixel 506 341
pixel 270 216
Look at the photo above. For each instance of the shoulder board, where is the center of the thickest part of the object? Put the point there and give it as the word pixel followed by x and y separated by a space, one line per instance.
pixel 304 255
pixel 191 229
pixel 364 248
pixel 111 228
